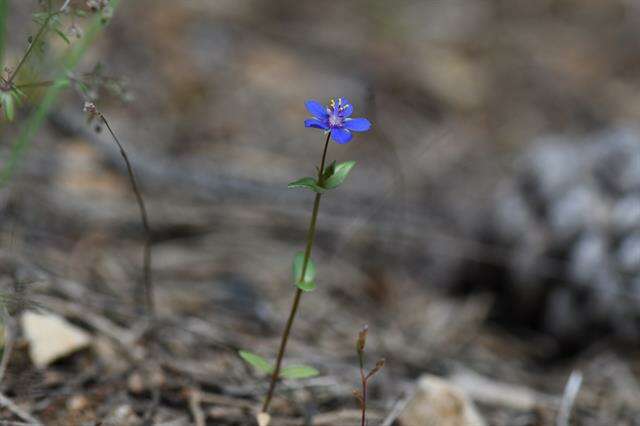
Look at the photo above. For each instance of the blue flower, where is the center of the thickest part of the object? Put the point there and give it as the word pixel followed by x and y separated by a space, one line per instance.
pixel 335 118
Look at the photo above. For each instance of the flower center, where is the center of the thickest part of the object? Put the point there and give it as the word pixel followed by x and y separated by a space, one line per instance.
pixel 335 120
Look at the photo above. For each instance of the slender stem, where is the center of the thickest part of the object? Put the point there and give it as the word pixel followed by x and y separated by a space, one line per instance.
pixel 9 342
pixel 363 379
pixel 46 83
pixel 36 84
pixel 9 81
pixel 41 31
pixel 324 157
pixel 296 299
pixel 146 272
pixel 364 401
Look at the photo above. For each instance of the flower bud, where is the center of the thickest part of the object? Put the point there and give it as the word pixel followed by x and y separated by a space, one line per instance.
pixel 362 339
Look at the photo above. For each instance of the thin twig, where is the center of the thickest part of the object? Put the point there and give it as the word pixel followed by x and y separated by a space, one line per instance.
pixel 11 406
pixel 9 342
pixel 362 340
pixel 360 345
pixel 568 398
pixel 397 409
pixel 195 400
pixel 65 5
pixel 151 410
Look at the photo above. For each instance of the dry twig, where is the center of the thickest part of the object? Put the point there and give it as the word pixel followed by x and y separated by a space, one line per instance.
pixel 195 400
pixel 11 406
pixel 568 398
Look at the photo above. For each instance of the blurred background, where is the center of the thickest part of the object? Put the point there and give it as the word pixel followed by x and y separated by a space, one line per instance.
pixel 489 234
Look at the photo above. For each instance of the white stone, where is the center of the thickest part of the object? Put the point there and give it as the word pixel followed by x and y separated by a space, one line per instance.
pixel 263 419
pixel 438 402
pixel 51 337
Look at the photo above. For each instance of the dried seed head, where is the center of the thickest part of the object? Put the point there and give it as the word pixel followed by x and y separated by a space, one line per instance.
pixel 92 113
pixel 107 13
pixel 377 368
pixel 97 5
pixel 357 395
pixel 92 5
pixel 362 339
pixel 90 108
pixel 75 31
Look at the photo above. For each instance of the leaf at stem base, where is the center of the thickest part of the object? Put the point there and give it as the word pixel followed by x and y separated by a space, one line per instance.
pixel 298 372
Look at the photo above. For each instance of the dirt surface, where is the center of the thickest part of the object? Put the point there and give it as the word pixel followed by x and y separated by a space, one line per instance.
pixel 214 127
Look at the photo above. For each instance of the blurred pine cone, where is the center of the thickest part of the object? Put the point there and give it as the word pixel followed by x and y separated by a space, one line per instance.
pixel 570 220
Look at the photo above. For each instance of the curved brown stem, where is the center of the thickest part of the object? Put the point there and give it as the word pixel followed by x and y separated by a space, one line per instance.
pixel 146 270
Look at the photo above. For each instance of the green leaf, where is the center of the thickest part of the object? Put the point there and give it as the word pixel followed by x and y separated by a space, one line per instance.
pixel 339 175
pixel 62 35
pixel 83 87
pixel 31 126
pixel 18 94
pixel 307 182
pixel 309 274
pixel 62 83
pixel 328 171
pixel 256 361
pixel 298 372
pixel 306 286
pixel 8 106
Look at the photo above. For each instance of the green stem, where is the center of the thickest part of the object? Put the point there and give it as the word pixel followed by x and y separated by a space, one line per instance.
pixel 4 11
pixel 9 81
pixel 67 64
pixel 296 300
pixel 34 85
pixel 29 50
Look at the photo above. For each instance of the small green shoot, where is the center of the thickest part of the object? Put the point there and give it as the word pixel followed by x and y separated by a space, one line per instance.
pixel 256 361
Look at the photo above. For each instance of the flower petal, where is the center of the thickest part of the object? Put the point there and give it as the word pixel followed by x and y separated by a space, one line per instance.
pixel 316 109
pixel 314 122
pixel 340 135
pixel 357 124
pixel 348 109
